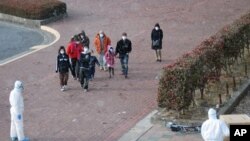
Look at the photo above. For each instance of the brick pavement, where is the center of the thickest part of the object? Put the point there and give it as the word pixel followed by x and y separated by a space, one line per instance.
pixel 111 107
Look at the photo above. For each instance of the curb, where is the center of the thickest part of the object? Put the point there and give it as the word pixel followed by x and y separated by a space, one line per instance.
pixel 30 22
pixel 34 48
pixel 237 97
pixel 139 129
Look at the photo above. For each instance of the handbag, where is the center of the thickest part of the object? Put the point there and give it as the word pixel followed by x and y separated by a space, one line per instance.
pixel 156 42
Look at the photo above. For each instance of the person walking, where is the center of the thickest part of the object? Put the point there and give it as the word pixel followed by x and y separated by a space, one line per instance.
pixel 84 68
pixel 63 67
pixel 110 58
pixel 16 112
pixel 156 37
pixel 79 50
pixel 101 43
pixel 214 129
pixel 73 51
pixel 84 39
pixel 92 63
pixel 123 48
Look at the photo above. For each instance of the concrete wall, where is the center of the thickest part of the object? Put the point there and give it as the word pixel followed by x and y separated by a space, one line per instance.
pixel 29 22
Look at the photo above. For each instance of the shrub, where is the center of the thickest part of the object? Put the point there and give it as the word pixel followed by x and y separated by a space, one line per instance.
pixel 195 69
pixel 33 9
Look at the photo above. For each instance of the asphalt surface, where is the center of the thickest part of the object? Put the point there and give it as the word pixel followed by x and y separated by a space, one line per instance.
pixel 16 39
pixel 112 106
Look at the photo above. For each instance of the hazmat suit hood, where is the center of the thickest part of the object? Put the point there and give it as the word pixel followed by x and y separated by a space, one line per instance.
pixel 212 114
pixel 18 86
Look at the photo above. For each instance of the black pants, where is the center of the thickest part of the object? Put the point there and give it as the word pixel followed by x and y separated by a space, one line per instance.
pixel 77 69
pixel 84 78
pixel 111 71
pixel 73 65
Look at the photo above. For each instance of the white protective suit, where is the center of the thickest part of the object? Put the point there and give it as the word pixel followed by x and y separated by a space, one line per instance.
pixel 214 129
pixel 16 111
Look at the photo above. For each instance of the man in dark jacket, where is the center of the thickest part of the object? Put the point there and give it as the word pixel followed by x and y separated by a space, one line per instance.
pixel 156 37
pixel 63 66
pixel 123 48
pixel 84 68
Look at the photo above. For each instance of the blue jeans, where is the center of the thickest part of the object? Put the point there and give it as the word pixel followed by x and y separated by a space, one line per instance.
pixel 124 63
pixel 102 60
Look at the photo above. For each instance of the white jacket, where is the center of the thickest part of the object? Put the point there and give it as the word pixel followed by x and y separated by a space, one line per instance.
pixel 214 129
pixel 16 98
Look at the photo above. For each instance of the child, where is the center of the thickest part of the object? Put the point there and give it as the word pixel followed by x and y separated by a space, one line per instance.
pixel 63 67
pixel 110 59
pixel 93 61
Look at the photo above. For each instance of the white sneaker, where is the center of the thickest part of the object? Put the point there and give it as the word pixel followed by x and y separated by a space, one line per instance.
pixel 85 90
pixel 101 68
pixel 65 87
pixel 105 69
pixel 62 89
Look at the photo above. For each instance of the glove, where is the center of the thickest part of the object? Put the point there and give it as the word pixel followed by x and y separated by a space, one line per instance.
pixel 19 117
pixel 56 71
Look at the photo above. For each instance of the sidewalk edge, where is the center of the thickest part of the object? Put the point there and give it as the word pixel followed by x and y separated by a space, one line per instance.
pixel 139 129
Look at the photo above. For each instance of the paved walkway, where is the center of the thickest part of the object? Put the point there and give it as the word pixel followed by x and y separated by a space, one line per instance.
pixel 112 106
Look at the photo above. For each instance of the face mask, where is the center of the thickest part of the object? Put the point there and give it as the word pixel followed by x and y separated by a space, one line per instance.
pixel 156 28
pixel 124 37
pixel 62 52
pixel 101 35
pixel 21 88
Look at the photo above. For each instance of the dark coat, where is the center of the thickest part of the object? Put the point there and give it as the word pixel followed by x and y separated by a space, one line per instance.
pixel 84 60
pixel 63 64
pixel 93 61
pixel 123 47
pixel 157 36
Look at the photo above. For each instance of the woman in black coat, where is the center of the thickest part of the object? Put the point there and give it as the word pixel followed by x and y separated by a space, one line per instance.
pixel 63 67
pixel 156 37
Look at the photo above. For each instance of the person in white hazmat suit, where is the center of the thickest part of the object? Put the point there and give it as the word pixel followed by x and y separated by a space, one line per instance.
pixel 214 129
pixel 16 111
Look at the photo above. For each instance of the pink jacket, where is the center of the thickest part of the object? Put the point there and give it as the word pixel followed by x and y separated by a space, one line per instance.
pixel 110 59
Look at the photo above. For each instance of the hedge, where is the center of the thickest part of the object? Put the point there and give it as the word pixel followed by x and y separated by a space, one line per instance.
pixel 33 9
pixel 195 69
